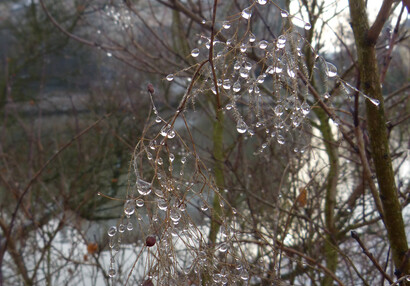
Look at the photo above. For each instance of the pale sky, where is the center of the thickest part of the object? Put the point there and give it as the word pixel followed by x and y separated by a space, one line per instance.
pixel 342 7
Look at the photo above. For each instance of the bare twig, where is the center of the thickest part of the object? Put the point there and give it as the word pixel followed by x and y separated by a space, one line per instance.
pixel 35 177
pixel 382 16
pixel 371 257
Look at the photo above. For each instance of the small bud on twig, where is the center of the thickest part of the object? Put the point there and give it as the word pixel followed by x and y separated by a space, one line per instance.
pixel 150 88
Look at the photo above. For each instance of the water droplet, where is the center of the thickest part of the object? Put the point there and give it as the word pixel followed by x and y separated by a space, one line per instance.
pixel 183 160
pixel 160 161
pixel 261 78
pixel 203 22
pixel 284 14
pixel 244 274
pixel 159 193
pixel 139 203
pixel 217 278
pixel 162 204
pixel 305 108
pixel 331 70
pixel 308 26
pixel 296 121
pixel 244 73
pixel 129 208
pixel 374 101
pixel 237 65
pixel 280 139
pixel 170 77
pixel 112 231
pixel 229 106
pixel 243 47
pixel 241 126
pixel 226 84
pixel 130 226
pixel 262 2
pixel 226 25
pixel 278 110
pixel 175 215
pixel 112 272
pixel 109 55
pixel 291 73
pixel 236 86
pixel 326 95
pixel 256 89
pixel 278 69
pixel 223 247
pixel 149 156
pixel 246 13
pixel 171 157
pixel 270 70
pixel 144 188
pixel 158 119
pixel 204 206
pixel 263 44
pixel 182 207
pixel 195 52
pixel 252 38
pixel 281 42
pixel 121 228
pixel 167 131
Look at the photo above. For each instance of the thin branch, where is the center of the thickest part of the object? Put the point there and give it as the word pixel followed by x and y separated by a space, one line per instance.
pixel 371 257
pixel 382 16
pixel 35 177
pixel 388 55
pixel 77 38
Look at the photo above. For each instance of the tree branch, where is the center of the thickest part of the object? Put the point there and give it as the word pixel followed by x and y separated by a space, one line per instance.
pixel 382 16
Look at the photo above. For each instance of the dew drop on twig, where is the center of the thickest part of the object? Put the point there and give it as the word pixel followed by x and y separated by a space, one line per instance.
pixel 112 231
pixel 129 208
pixel 263 44
pixel 308 26
pixel 246 13
pixel 280 44
pixel 331 70
pixel 252 38
pixel 170 77
pixel 236 86
pixel 195 53
pixel 241 126
pixel 284 14
pixel 143 187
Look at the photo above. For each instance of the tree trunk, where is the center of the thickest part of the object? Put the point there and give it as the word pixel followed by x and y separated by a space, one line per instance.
pixel 376 123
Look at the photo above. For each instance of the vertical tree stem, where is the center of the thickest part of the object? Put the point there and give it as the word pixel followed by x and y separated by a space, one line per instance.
pixel 376 123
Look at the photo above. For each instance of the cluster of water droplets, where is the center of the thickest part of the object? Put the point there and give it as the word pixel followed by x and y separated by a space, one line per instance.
pixel 163 200
pixel 266 96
